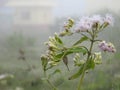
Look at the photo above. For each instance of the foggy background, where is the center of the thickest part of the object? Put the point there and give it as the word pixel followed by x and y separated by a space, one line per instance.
pixel 80 7
pixel 26 24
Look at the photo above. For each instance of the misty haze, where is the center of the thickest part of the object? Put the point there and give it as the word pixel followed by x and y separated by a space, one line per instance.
pixel 26 25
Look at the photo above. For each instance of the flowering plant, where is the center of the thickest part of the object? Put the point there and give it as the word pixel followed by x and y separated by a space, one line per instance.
pixel 89 29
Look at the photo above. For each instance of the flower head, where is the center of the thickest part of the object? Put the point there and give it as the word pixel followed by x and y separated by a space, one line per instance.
pixel 107 46
pixel 84 24
pixel 68 24
pixel 97 19
pixel 108 19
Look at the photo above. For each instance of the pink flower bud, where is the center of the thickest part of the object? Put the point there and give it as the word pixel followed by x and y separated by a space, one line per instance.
pixel 107 46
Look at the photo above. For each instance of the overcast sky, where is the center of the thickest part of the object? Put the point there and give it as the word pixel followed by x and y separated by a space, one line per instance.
pixel 67 7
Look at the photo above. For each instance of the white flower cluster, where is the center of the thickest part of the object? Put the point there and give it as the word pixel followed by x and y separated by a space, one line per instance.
pixel 88 23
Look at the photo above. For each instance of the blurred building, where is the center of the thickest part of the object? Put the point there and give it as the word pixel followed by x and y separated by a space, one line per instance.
pixel 31 13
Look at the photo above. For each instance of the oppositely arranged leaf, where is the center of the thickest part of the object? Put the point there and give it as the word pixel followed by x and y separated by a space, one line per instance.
pixel 59 55
pixel 84 38
pixel 70 51
pixel 55 72
pixel 62 54
pixel 78 50
pixel 76 75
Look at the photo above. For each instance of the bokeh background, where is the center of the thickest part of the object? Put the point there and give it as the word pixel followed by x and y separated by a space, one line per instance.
pixel 26 24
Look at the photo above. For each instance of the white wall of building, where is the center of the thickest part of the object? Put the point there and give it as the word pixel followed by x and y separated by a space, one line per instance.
pixel 32 12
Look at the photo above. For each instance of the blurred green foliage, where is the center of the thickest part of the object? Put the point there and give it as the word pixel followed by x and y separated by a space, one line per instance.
pixel 106 78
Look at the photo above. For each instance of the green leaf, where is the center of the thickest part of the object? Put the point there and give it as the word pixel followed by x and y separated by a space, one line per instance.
pixel 62 54
pixel 59 55
pixel 55 72
pixel 77 50
pixel 76 75
pixel 84 38
pixel 90 64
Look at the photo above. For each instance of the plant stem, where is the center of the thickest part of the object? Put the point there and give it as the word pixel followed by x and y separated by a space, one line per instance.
pixel 54 88
pixel 84 67
pixel 45 73
pixel 81 79
pixel 48 81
